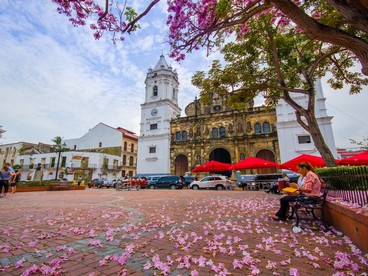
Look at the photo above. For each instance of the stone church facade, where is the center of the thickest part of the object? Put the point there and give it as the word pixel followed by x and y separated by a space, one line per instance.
pixel 215 131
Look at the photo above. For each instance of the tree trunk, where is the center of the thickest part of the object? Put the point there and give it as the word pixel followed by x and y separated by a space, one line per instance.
pixel 311 125
pixel 324 33
pixel 319 141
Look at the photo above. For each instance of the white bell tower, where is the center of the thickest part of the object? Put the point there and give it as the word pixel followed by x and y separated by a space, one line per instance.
pixel 159 107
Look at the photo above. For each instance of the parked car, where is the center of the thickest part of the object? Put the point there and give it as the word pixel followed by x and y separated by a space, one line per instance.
pixel 265 181
pixel 245 181
pixel 188 180
pixel 212 182
pixel 153 179
pixel 293 176
pixel 100 182
pixel 170 181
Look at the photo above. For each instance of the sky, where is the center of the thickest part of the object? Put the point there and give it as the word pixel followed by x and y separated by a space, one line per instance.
pixel 57 80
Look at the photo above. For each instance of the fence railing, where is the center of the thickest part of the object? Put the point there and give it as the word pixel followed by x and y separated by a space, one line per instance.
pixel 347 183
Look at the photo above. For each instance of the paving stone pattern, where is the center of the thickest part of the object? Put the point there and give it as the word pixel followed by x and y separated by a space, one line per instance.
pixel 164 232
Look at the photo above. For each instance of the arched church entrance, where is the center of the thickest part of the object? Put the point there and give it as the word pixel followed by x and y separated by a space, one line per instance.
pixel 181 165
pixel 221 155
pixel 269 156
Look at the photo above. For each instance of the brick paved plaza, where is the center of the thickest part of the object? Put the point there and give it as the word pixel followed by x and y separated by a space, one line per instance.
pixel 163 232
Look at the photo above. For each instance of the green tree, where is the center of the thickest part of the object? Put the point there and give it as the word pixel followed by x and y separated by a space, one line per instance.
pixel 279 63
pixel 363 144
pixel 57 142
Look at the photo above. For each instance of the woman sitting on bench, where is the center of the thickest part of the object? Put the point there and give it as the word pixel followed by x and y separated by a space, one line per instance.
pixel 312 187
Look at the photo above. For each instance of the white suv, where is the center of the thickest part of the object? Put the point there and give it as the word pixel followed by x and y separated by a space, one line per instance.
pixel 212 182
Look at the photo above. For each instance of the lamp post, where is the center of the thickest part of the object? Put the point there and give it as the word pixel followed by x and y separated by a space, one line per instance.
pixel 60 149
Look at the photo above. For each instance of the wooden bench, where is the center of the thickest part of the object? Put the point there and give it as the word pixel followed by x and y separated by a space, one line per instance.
pixel 308 205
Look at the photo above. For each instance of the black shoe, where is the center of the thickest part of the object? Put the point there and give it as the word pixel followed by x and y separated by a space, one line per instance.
pixel 266 191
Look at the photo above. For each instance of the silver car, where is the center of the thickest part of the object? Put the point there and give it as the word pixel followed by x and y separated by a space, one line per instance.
pixel 212 182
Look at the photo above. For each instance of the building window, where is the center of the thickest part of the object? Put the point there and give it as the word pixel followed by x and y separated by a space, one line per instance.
pixel 125 146
pixel 131 161
pixel 152 149
pixel 266 127
pixel 155 91
pixel 198 131
pixel 222 132
pixel 178 136
pixel 124 160
pixel 304 139
pixel 257 128
pixel 242 156
pixel 132 147
pixel 52 162
pixel 75 147
pixel 100 144
pixel 184 135
pixel 123 173
pixel 105 164
pixel 63 162
pixel 214 132
pixel 153 126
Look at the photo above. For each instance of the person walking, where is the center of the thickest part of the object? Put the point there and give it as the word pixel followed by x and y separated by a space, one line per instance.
pixel 14 181
pixel 5 175
pixel 79 180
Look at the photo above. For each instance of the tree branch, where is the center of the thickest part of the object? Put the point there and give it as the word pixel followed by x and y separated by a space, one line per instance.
pixel 321 32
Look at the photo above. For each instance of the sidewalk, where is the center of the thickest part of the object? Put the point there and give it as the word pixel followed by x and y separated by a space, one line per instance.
pixel 163 232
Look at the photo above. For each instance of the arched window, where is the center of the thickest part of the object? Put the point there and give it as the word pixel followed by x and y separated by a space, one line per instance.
pixel 132 147
pixel 178 136
pixel 184 135
pixel 222 132
pixel 131 161
pixel 242 156
pixel 125 146
pixel 198 131
pixel 214 132
pixel 266 127
pixel 124 160
pixel 155 91
pixel 257 128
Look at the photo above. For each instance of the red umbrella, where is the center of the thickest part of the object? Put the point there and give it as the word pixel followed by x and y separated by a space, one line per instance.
pixel 357 160
pixel 315 161
pixel 212 166
pixel 253 163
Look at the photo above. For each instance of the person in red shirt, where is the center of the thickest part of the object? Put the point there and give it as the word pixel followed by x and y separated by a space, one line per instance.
pixel 312 187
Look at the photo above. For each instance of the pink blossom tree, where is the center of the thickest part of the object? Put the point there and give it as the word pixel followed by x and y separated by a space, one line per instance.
pixel 205 23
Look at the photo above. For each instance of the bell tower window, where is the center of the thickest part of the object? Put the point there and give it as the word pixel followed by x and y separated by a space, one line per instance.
pixel 155 91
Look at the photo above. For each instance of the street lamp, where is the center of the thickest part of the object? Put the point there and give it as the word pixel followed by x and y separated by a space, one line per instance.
pixel 58 160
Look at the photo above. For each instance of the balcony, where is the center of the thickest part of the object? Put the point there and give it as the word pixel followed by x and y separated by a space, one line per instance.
pixel 112 167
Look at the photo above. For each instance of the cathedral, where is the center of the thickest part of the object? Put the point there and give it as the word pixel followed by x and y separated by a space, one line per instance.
pixel 213 130
pixel 171 144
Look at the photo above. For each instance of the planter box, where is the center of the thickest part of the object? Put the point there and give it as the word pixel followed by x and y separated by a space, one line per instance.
pixel 346 220
pixel 32 189
pixel 48 188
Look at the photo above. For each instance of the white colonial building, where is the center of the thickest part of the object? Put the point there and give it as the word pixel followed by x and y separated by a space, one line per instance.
pixel 295 140
pixel 159 107
pixel 68 164
pixel 103 152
